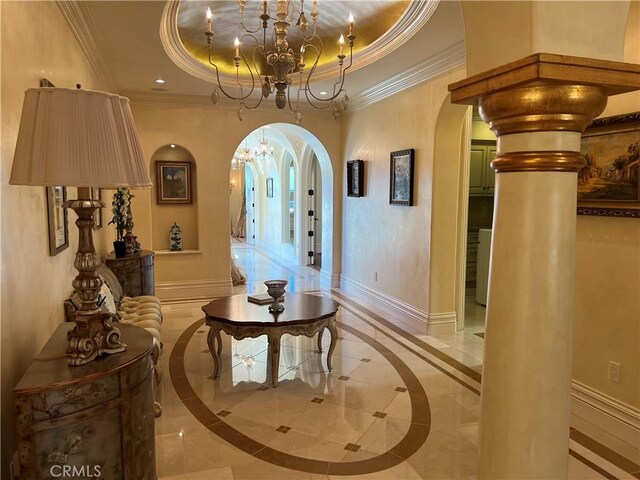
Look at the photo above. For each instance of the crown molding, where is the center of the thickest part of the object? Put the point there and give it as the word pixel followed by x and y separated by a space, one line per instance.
pixel 412 20
pixel 181 100
pixel 445 61
pixel 79 19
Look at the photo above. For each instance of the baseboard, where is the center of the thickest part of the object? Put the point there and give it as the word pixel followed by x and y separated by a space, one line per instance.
pixel 193 290
pixel 412 315
pixel 334 278
pixel 441 323
pixel 614 417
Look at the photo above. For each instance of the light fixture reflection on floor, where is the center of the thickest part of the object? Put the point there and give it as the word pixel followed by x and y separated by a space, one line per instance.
pixel 282 63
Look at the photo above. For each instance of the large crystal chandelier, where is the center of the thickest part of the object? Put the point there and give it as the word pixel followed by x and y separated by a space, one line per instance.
pixel 242 157
pixel 264 149
pixel 273 66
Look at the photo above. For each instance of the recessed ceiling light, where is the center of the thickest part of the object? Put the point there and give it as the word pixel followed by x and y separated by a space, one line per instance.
pixel 159 80
pixel 324 93
pixel 173 145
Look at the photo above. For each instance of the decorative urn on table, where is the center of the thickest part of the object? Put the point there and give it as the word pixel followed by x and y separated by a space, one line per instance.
pixel 275 289
pixel 175 238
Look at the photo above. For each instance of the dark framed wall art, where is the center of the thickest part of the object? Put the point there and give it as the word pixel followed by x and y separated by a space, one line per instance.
pixel 608 183
pixel 58 220
pixel 173 182
pixel 401 177
pixel 355 178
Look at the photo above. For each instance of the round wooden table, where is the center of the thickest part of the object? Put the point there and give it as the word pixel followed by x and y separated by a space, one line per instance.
pixel 303 314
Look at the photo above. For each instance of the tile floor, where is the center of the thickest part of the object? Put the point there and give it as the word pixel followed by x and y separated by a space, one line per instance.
pixel 397 405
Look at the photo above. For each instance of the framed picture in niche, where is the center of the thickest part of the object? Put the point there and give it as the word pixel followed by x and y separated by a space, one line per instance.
pixel 270 187
pixel 608 184
pixel 173 182
pixel 58 220
pixel 401 177
pixel 355 178
pixel 96 194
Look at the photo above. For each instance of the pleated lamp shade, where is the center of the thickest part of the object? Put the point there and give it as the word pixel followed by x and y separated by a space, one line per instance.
pixel 78 138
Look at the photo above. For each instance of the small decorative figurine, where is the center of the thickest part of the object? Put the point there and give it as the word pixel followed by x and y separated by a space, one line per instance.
pixel 175 238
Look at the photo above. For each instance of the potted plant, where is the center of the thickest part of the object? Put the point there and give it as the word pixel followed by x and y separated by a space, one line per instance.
pixel 120 208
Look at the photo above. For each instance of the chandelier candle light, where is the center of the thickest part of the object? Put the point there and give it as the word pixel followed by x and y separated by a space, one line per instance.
pixel 282 62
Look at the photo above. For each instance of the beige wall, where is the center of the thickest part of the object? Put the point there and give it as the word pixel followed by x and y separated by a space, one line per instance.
pixel 607 306
pixel 391 240
pixel 212 136
pixel 502 32
pixel 36 42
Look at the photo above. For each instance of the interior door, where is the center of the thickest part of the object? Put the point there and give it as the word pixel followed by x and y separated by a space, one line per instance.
pixel 251 207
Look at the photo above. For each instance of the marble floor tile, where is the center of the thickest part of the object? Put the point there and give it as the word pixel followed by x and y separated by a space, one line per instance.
pixel 316 420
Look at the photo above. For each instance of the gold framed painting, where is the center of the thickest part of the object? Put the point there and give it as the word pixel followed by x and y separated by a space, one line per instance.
pixel 173 182
pixel 608 184
pixel 57 219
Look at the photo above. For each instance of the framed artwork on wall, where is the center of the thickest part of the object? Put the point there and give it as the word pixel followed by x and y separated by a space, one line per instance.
pixel 96 194
pixel 58 220
pixel 401 177
pixel 355 178
pixel 173 182
pixel 608 183
pixel 270 187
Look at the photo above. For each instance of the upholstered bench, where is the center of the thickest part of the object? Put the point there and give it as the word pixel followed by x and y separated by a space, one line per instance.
pixel 143 312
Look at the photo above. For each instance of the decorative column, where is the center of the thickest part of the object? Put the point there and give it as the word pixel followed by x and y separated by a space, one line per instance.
pixel 538 107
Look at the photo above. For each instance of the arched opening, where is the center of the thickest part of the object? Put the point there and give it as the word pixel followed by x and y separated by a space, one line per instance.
pixel 173 169
pixel 449 215
pixel 292 185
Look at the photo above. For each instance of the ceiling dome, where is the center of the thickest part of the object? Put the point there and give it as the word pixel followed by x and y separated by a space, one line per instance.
pixel 380 27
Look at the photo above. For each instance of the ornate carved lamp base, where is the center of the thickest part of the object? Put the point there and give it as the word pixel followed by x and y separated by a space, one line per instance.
pixel 94 333
pixel 92 336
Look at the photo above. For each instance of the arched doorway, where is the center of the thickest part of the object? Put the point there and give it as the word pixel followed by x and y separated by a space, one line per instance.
pixel 296 164
pixel 450 201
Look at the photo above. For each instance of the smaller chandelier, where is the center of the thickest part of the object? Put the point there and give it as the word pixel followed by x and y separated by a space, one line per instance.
pixel 264 149
pixel 273 65
pixel 241 158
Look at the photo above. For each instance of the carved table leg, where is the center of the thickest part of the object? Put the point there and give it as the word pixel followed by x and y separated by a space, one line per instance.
pixel 320 339
pixel 214 333
pixel 334 338
pixel 219 340
pixel 274 349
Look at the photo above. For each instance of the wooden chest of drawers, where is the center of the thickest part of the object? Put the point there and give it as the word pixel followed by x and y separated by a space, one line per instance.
pixel 134 272
pixel 97 418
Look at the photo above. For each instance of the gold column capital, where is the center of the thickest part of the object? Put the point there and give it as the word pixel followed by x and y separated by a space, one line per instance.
pixel 544 93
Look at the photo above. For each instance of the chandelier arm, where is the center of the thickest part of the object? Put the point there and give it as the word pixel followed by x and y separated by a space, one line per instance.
pixel 241 97
pixel 247 30
pixel 325 102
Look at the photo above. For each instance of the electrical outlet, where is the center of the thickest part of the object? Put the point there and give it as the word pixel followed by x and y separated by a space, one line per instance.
pixel 614 372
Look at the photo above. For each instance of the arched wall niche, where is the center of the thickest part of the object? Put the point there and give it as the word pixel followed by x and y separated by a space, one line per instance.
pixel 164 215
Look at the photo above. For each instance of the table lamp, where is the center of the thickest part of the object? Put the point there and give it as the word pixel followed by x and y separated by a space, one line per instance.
pixel 81 138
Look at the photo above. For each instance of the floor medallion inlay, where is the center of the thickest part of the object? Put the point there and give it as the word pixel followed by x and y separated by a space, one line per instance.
pixel 415 437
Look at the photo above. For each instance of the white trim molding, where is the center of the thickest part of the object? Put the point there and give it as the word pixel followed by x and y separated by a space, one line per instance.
pixel 438 64
pixel 441 323
pixel 82 25
pixel 193 290
pixel 414 315
pixel 332 278
pixel 613 416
